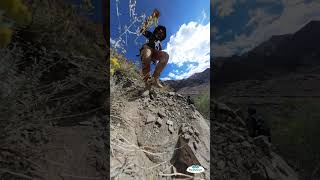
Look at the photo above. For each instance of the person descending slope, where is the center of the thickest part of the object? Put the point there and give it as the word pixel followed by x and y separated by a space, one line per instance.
pixel 152 51
pixel 256 125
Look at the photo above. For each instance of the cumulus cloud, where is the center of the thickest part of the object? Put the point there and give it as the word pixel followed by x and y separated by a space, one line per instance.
pixel 296 14
pixel 165 78
pixel 191 69
pixel 190 45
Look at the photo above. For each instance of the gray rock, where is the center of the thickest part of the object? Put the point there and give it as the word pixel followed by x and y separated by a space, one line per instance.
pixel 171 93
pixel 184 129
pixel 169 122
pixel 145 93
pixel 170 103
pixel 171 129
pixel 159 121
pixel 150 118
pixel 186 136
pixel 196 132
pixel 195 146
pixel 161 113
pixel 262 142
pixel 190 130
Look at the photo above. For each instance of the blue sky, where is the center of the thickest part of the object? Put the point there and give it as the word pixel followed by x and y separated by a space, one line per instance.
pixel 239 25
pixel 188 33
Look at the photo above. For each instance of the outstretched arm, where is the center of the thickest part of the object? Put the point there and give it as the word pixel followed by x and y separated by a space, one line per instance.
pixel 147 34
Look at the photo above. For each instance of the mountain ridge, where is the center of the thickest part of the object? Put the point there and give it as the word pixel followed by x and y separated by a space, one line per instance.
pixel 200 81
pixel 279 55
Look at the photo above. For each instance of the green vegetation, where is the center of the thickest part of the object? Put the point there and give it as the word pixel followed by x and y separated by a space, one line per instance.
pixel 119 63
pixel 202 103
pixel 12 12
pixel 295 132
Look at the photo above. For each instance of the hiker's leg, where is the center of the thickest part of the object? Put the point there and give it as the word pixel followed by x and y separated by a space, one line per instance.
pixel 163 58
pixel 146 54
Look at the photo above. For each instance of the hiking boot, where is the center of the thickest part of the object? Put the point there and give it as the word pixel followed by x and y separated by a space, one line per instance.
pixel 148 83
pixel 156 82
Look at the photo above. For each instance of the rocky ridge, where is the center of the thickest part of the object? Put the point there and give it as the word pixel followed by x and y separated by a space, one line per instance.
pixel 235 155
pixel 156 133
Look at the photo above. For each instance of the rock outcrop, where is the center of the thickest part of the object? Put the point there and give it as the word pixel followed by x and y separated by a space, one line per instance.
pixel 157 134
pixel 159 129
pixel 235 155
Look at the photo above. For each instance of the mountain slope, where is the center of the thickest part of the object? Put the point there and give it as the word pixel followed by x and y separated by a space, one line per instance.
pixel 158 135
pixel 196 84
pixel 278 56
pixel 280 78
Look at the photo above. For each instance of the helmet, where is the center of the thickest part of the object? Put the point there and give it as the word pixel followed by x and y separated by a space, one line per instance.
pixel 158 28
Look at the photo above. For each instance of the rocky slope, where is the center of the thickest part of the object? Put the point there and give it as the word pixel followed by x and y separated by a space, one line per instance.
pixel 52 94
pixel 155 135
pixel 158 135
pixel 234 155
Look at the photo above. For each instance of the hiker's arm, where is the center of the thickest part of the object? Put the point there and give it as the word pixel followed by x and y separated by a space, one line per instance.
pixel 147 34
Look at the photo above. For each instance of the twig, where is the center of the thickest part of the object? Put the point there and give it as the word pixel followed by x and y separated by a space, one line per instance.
pixel 79 177
pixel 16 174
pixel 138 149
pixel 176 174
pixel 74 115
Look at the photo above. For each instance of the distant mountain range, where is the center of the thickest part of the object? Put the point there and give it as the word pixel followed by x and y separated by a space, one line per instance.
pixel 195 84
pixel 279 55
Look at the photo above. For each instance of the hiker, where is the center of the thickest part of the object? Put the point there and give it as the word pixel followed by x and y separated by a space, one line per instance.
pixel 256 125
pixel 152 51
pixel 189 100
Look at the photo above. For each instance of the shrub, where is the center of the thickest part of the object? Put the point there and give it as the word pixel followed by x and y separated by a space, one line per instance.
pixel 13 12
pixel 202 103
pixel 119 63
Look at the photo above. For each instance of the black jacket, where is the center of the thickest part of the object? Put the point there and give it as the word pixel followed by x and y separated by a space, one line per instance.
pixel 155 42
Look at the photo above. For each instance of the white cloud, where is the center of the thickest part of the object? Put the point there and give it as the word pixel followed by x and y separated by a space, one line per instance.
pixel 192 69
pixel 171 75
pixel 191 44
pixel 296 14
pixel 165 78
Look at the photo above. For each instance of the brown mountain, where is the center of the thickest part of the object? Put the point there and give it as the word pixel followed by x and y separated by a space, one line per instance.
pixel 279 55
pixel 195 84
